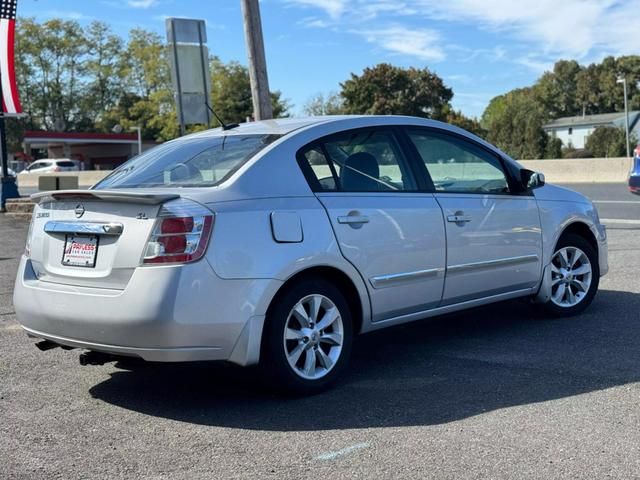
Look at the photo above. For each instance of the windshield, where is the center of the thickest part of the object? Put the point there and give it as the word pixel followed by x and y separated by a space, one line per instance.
pixel 196 162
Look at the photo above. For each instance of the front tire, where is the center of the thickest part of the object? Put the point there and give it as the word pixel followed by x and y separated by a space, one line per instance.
pixel 307 338
pixel 575 276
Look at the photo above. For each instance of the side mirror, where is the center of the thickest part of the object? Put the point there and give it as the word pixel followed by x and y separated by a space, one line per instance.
pixel 531 179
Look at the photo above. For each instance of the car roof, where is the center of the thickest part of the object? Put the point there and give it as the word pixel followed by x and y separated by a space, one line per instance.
pixel 276 126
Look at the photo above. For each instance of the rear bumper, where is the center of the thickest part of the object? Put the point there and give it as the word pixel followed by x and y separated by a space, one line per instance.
pixel 165 314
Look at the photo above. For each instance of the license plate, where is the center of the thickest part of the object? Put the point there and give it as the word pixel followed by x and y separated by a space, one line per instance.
pixel 80 251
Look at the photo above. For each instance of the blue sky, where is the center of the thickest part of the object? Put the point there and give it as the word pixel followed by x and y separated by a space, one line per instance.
pixel 481 48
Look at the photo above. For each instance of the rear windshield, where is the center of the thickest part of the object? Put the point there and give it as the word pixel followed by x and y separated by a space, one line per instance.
pixel 195 162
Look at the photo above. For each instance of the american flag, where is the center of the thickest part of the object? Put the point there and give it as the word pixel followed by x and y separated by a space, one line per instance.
pixel 10 100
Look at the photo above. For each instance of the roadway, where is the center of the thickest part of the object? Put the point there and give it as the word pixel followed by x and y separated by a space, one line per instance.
pixel 499 392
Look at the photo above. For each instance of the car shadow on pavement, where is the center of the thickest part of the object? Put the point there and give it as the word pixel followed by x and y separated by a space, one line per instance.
pixel 430 372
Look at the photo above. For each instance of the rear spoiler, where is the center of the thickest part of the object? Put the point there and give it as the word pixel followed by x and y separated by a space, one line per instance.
pixel 104 195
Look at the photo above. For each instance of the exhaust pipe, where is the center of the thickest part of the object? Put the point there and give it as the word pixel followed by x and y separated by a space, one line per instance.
pixel 95 358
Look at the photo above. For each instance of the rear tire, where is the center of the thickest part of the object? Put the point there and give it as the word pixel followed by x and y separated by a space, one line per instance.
pixel 575 276
pixel 307 338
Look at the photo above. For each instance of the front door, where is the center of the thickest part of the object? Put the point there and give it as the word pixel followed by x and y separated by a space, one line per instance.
pixel 494 241
pixel 390 231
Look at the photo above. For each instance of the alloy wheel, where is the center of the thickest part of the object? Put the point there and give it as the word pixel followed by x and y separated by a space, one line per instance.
pixel 313 337
pixel 571 275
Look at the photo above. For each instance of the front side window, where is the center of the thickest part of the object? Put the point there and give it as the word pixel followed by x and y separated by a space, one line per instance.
pixel 358 161
pixel 194 162
pixel 38 166
pixel 458 166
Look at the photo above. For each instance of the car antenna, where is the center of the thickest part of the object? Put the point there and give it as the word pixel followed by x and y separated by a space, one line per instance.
pixel 224 125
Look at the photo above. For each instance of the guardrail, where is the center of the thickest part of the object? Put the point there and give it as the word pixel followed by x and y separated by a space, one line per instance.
pixel 582 170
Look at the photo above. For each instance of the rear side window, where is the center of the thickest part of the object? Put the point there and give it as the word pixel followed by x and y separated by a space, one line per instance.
pixel 66 163
pixel 194 162
pixel 368 160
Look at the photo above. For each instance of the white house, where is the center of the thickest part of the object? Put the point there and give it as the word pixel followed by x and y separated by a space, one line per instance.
pixel 575 130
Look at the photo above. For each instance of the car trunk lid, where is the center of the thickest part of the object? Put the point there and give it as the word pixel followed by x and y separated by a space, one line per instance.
pixel 92 238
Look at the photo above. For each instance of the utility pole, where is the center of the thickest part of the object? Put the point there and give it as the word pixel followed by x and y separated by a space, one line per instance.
pixel 257 63
pixel 623 81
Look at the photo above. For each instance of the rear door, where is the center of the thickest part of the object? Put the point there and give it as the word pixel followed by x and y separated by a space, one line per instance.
pixel 386 227
pixel 494 240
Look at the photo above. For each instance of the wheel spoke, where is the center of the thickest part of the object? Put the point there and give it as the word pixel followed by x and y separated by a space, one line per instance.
pixel 310 362
pixel 331 338
pixel 301 315
pixel 330 316
pixel 583 269
pixel 314 310
pixel 292 334
pixel 324 359
pixel 564 260
pixel 294 355
pixel 555 269
pixel 559 295
pixel 581 285
pixel 576 256
pixel 556 281
pixel 570 295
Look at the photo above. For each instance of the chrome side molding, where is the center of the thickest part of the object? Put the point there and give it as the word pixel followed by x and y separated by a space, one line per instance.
pixel 86 228
pixel 501 262
pixel 390 280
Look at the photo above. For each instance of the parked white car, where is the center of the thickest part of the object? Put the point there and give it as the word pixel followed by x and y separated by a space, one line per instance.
pixel 51 165
pixel 276 242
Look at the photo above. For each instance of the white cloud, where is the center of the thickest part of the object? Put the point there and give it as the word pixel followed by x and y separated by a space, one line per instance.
pixel 582 29
pixel 66 14
pixel 142 3
pixel 333 8
pixel 422 44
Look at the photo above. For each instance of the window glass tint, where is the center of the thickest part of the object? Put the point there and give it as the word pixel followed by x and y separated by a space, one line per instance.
pixel 459 166
pixel 360 161
pixel 37 166
pixel 66 163
pixel 195 162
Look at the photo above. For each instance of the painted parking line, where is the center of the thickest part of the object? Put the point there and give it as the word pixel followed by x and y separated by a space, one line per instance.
pixel 339 453
pixel 620 221
pixel 623 202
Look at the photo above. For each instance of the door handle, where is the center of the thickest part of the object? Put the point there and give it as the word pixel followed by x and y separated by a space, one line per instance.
pixel 458 218
pixel 353 219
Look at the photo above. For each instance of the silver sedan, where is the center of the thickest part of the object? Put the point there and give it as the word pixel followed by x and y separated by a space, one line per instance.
pixel 275 242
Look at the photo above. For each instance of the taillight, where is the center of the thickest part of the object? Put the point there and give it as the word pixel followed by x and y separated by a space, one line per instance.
pixel 181 233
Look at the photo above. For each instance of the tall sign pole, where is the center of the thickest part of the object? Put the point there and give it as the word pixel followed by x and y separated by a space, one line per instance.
pixel 257 62
pixel 8 94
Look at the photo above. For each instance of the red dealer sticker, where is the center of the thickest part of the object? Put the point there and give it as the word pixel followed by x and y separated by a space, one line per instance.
pixel 80 251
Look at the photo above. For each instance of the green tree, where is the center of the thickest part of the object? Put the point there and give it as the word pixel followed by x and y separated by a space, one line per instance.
pixel 388 90
pixel 514 123
pixel 104 69
pixel 146 98
pixel 556 90
pixel 231 93
pixel 50 71
pixel 458 119
pixel 607 142
pixel 320 104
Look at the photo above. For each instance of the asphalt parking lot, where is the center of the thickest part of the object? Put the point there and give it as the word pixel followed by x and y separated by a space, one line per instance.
pixel 497 392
